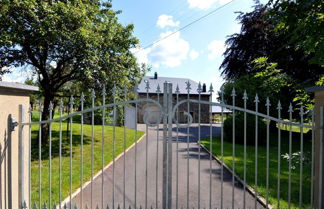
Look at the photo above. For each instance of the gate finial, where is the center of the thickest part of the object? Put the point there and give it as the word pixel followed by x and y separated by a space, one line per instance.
pixel 93 94
pixel 103 93
pixel 245 97
pixel 199 89
pixel 82 99
pixel 301 110
pixel 24 205
pixel 256 99
pixel 147 86
pixel 211 88
pixel 44 206
pixel 233 93
pixel 71 102
pixel 35 206
pixel 188 86
pixel 50 108
pixel 279 107
pixel 177 91
pixel 267 103
pixel 61 105
pixel 290 110
pixel 40 106
pixel 114 89
pixel 158 89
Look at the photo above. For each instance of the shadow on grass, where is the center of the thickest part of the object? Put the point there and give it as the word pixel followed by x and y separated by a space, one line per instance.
pixel 76 141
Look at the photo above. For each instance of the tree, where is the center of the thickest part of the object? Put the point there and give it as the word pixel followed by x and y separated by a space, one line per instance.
pixel 64 41
pixel 302 22
pixel 269 81
pixel 259 38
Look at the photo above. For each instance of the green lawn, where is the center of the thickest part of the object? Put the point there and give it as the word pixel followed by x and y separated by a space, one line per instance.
pixel 119 146
pixel 250 168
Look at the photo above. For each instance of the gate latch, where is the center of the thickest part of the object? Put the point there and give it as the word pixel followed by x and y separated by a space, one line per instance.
pixel 13 124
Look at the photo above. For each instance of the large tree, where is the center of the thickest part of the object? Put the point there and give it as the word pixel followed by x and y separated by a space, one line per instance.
pixel 259 38
pixel 302 21
pixel 64 41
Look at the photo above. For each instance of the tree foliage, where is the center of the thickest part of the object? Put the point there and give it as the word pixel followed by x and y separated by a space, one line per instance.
pixel 302 21
pixel 268 81
pixel 67 41
pixel 259 38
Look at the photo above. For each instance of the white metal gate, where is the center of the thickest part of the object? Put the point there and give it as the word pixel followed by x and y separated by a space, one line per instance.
pixel 185 173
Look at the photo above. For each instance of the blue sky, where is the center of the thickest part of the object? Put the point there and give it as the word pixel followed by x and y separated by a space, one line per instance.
pixel 195 52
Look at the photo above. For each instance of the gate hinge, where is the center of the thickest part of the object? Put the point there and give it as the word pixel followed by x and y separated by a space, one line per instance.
pixel 13 124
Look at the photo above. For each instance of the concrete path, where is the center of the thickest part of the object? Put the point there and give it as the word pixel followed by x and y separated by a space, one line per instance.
pixel 153 197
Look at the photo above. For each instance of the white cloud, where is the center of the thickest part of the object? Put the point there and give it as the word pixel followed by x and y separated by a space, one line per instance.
pixel 205 4
pixel 216 48
pixel 141 54
pixel 193 54
pixel 170 52
pixel 18 75
pixel 166 20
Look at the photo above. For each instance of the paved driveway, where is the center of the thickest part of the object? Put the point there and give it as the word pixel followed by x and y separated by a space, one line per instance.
pixel 154 156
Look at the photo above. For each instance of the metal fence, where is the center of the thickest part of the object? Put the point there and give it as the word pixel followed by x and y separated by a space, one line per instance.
pixel 188 165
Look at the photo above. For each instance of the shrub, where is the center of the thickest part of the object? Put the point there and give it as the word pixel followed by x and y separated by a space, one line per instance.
pixel 239 129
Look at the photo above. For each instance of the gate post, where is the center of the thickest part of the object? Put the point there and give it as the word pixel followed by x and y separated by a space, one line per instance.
pixel 167 147
pixel 318 146
pixel 21 157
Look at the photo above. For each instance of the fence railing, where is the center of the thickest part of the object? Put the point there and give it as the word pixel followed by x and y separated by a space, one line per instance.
pixel 247 161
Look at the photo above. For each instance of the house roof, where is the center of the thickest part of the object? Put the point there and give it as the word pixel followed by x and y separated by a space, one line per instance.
pixel 218 110
pixel 18 86
pixel 181 82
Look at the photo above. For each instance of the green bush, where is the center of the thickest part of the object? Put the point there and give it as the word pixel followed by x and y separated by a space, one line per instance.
pixel 239 129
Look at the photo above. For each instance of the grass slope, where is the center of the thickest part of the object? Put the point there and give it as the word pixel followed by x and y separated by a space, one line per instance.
pixel 273 153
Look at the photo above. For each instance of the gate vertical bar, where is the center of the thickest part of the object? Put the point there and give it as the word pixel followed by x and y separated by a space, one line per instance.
pixel 167 147
pixel 177 148
pixel 170 145
pixel 81 153
pixel 279 108
pixel 256 101
pixel 290 153
pixel 244 174
pixel 135 158
pixel 40 157
pixel 124 151
pixel 158 91
pixel 50 156
pixel 71 135
pixel 233 150
pixel 268 160
pixel 188 88
pixel 21 155
pixel 211 90
pixel 312 167
pixel 320 200
pixel 93 96
pixel 60 156
pixel 29 158
pixel 103 144
pixel 113 146
pixel 146 146
pixel 199 90
pixel 301 156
